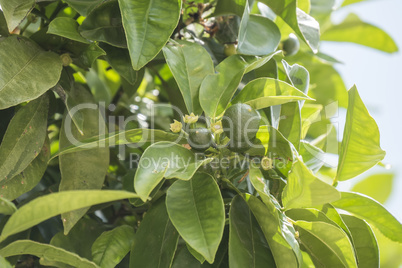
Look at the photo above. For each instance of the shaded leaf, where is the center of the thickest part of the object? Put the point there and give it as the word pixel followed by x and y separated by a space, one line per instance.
pixel 364 242
pixel 377 186
pixel 247 244
pixel 111 246
pixel 156 239
pixel 148 26
pixel 29 178
pixel 305 190
pixel 190 63
pixel 360 149
pixel 196 209
pixel 45 207
pixel 48 252
pixel 335 249
pixel 217 89
pixel 104 24
pixel 83 6
pixel 352 29
pixel 66 27
pixel 367 208
pixel 25 66
pixel 164 160
pixel 24 138
pixel 7 207
pixel 264 92
pixel 15 11
pixel 87 169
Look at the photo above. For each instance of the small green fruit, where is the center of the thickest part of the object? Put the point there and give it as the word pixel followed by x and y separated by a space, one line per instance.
pixel 291 45
pixel 229 49
pixel 200 138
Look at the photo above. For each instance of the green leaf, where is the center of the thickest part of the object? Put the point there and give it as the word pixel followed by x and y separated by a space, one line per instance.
pixel 247 244
pixel 305 190
pixel 367 208
pixel 327 245
pixel 360 149
pixel 364 242
pixel 217 89
pixel 377 186
pixel 290 123
pixel 164 160
pixel 190 63
pixel 257 35
pixel 309 214
pixel 7 207
pixel 80 239
pixel 196 209
pixel 87 169
pixel 89 55
pixel 349 2
pixel 24 138
pixel 278 232
pixel 313 157
pixel 264 92
pixel 119 59
pixel 3 25
pixel 25 66
pixel 15 11
pixel 4 263
pixel 111 246
pixel 45 207
pixel 29 178
pixel 305 26
pixel 83 6
pixel 138 136
pixel 333 215
pixel 353 30
pixel 280 151
pixel 66 27
pixel 48 252
pixel 184 258
pixel 148 26
pixel 104 24
pixel 229 7
pixel 155 241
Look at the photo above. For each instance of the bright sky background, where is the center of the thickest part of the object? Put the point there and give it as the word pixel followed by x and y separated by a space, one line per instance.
pixel 376 75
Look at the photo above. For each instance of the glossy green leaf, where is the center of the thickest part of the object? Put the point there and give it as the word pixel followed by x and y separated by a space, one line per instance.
pixel 196 209
pixel 87 169
pixel 327 245
pixel 305 190
pixel 367 208
pixel 264 92
pixel 148 26
pixel 83 6
pixel 80 239
pixel 309 214
pixel 155 241
pixel 4 263
pixel 313 157
pixel 90 54
pixel 260 184
pixel 333 215
pixel 15 11
pixel 164 160
pixel 119 59
pixel 195 254
pixel 217 89
pixel 247 244
pixel 280 151
pixel 290 122
pixel 278 232
pixel 111 246
pixel 364 242
pixel 29 178
pixel 184 258
pixel 257 35
pixel 7 207
pixel 138 136
pixel 190 63
pixel 297 75
pixel 104 24
pixel 25 66
pixel 304 25
pixel 66 27
pixel 48 252
pixel 377 186
pixel 24 138
pixel 352 29
pixel 360 149
pixel 349 2
pixel 45 207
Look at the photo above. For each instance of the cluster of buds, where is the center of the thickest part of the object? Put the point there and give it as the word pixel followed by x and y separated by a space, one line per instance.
pixel 217 127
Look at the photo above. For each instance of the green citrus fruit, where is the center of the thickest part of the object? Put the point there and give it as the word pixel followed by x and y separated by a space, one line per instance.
pixel 200 138
pixel 291 45
pixel 229 49
pixel 241 122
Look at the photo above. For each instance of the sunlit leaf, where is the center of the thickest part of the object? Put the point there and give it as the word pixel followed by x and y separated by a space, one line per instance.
pixel 377 186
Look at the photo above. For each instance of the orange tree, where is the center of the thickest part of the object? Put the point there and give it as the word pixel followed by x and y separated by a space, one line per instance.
pixel 172 133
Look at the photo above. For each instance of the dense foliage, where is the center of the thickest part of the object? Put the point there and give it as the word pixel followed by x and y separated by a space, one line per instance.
pixel 173 133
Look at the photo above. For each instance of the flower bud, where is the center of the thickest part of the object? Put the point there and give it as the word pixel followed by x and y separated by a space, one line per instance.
pixel 176 126
pixel 217 127
pixel 190 119
pixel 266 163
pixel 66 59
